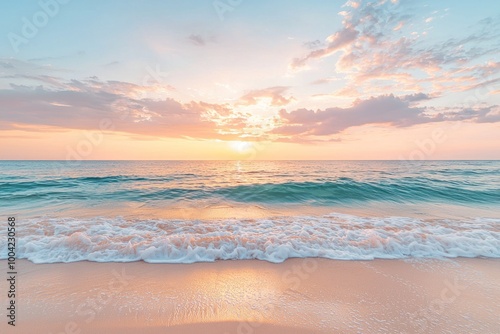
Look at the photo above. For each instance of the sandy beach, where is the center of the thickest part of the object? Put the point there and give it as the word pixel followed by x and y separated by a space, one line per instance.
pixel 297 296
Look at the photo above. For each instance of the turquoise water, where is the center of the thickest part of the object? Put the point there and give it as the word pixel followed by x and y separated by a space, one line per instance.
pixel 375 209
pixel 48 186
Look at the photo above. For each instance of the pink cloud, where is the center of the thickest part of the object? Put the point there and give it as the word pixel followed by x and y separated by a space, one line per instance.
pixel 87 104
pixel 386 110
pixel 273 93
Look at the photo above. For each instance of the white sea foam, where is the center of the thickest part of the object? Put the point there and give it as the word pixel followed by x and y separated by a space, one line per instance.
pixel 334 236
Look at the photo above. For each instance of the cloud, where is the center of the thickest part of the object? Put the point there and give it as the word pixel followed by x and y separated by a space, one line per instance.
pixel 399 26
pixel 112 63
pixel 41 78
pixel 73 55
pixel 335 43
pixel 83 104
pixel 38 98
pixel 490 114
pixel 416 97
pixel 323 81
pixel 383 110
pixel 197 40
pixel 12 66
pixel 33 100
pixel 6 65
pixel 313 44
pixel 376 53
pixel 275 94
pixel 386 109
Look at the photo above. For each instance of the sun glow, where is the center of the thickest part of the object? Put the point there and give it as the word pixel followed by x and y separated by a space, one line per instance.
pixel 240 146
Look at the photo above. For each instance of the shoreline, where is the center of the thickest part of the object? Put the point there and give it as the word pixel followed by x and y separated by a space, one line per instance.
pixel 200 210
pixel 300 295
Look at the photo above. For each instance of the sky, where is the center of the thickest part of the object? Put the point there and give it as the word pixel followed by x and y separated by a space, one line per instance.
pixel 241 79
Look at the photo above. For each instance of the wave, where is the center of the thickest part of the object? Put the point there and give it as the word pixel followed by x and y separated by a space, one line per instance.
pixel 347 189
pixel 324 191
pixel 334 236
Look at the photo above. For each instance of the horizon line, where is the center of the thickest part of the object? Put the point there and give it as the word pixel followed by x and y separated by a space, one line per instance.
pixel 95 160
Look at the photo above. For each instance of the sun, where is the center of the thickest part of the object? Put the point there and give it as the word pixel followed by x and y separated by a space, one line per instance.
pixel 240 146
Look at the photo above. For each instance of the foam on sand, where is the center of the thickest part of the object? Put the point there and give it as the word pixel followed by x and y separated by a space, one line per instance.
pixel 334 236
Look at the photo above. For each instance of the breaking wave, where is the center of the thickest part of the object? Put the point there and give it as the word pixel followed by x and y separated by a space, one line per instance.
pixel 333 236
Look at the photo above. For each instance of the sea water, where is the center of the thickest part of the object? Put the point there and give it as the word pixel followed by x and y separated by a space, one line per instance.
pixel 110 211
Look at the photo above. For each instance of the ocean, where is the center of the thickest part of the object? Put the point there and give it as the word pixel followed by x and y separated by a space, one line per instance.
pixel 155 211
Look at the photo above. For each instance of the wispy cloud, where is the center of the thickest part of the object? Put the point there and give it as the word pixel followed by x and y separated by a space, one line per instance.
pixel 197 40
pixel 335 42
pixel 375 53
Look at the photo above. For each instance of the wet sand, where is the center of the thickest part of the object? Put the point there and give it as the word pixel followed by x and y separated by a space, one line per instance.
pixel 297 296
pixel 208 210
